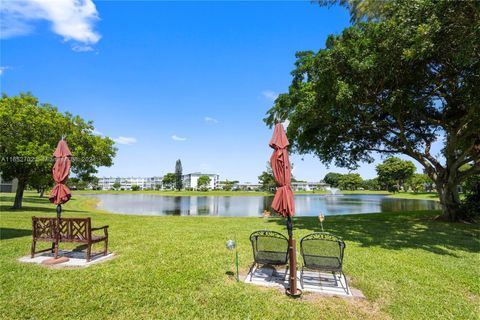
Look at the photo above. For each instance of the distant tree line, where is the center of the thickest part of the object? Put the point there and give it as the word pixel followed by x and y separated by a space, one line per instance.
pixel 393 175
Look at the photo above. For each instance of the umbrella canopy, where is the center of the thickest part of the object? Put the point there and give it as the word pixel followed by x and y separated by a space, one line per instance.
pixel 283 202
pixel 61 169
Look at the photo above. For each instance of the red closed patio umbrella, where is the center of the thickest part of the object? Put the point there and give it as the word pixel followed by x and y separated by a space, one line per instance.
pixel 60 171
pixel 60 192
pixel 283 202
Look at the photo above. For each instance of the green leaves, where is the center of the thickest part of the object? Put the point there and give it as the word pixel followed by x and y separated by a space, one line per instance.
pixel 395 171
pixel 387 84
pixel 267 180
pixel 178 175
pixel 30 133
pixel 405 73
pixel 168 180
pixel 350 181
pixel 203 182
pixel 333 179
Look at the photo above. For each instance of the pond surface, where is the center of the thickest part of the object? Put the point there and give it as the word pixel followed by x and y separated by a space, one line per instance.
pixel 243 206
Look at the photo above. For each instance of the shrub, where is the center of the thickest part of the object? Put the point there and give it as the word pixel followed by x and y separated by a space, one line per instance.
pixel 471 203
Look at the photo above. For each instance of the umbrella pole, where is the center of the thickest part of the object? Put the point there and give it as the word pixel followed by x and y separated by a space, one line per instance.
pixel 56 259
pixel 292 291
pixel 57 240
pixel 59 211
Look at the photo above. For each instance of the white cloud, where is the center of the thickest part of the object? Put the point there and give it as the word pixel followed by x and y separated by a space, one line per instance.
pixel 210 120
pixel 177 138
pixel 72 19
pixel 81 48
pixel 125 140
pixel 270 95
pixel 2 69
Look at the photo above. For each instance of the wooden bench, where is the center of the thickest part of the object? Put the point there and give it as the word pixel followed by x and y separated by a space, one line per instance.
pixel 78 230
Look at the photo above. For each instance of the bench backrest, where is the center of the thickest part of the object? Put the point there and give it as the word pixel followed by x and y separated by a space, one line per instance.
pixel 69 229
pixel 74 229
pixel 43 228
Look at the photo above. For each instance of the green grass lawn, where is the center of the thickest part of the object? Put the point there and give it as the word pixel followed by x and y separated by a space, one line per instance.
pixel 413 195
pixel 408 266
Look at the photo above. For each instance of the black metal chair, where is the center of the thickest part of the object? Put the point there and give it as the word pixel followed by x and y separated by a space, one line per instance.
pixel 323 251
pixel 269 248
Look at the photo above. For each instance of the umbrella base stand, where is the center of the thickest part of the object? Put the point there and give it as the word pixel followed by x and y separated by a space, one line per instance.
pixel 294 295
pixel 55 261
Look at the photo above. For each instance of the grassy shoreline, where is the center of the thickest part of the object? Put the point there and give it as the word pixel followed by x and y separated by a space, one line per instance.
pixel 407 265
pixel 401 195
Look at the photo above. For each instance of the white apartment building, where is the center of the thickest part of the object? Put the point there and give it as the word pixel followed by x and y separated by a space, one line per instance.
pixel 309 186
pixel 191 180
pixel 296 186
pixel 106 183
pixel 247 186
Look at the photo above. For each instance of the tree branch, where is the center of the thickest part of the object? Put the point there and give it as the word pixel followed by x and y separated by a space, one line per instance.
pixel 473 170
pixel 412 152
pixel 462 159
pixel 383 150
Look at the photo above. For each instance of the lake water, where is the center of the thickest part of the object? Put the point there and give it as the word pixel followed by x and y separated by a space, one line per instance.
pixel 242 206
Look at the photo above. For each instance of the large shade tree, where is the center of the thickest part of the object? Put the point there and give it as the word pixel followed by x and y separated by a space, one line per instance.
pixel 403 76
pixel 30 131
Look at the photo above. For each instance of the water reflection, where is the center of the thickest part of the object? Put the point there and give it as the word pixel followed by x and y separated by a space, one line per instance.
pixel 306 205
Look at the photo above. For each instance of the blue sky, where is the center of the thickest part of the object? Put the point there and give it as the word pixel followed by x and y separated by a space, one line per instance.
pixel 168 80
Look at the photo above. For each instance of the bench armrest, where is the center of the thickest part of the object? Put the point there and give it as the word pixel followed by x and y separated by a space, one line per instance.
pixel 99 228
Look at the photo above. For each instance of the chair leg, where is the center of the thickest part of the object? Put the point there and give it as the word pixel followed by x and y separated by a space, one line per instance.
pixel 89 252
pixel 105 248
pixel 252 269
pixel 301 277
pixel 34 243
pixel 335 278
pixel 286 272
pixel 346 282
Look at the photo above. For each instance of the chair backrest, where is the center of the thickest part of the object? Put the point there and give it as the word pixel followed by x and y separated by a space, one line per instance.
pixel 43 228
pixel 269 247
pixel 74 229
pixel 322 249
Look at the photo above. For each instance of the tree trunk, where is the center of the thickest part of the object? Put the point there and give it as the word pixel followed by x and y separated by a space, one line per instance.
pixel 19 195
pixel 42 192
pixel 449 200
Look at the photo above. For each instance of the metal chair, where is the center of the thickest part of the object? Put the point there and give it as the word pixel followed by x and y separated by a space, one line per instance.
pixel 269 248
pixel 323 251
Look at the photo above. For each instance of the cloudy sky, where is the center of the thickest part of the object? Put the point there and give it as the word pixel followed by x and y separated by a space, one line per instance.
pixel 167 80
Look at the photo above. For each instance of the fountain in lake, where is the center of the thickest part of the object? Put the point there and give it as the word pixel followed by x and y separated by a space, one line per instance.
pixel 334 191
